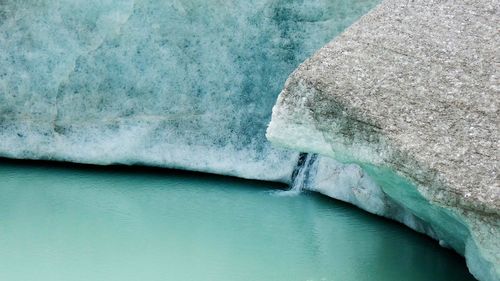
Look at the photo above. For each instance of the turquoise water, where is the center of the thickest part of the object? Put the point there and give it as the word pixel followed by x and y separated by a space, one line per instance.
pixel 84 223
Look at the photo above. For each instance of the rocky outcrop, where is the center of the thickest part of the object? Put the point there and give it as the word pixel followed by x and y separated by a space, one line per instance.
pixel 410 93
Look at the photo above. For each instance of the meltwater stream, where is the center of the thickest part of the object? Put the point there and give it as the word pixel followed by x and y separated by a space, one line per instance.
pixel 81 223
pixel 303 172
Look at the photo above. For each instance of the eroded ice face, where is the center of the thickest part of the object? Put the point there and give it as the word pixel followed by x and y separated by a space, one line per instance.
pixel 187 84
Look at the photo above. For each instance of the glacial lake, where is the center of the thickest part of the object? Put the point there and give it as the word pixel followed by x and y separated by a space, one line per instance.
pixel 70 222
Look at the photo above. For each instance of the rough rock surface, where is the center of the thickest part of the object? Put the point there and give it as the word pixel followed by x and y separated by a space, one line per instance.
pixel 412 87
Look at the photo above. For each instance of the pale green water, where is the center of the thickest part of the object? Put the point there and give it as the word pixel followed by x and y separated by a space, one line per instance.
pixel 122 224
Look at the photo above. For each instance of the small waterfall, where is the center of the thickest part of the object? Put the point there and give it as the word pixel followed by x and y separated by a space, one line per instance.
pixel 302 174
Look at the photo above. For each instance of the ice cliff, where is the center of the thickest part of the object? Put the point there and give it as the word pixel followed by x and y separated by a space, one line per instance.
pixel 408 96
pixel 186 84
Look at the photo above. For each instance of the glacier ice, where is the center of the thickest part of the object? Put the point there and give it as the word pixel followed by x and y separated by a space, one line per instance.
pixel 185 84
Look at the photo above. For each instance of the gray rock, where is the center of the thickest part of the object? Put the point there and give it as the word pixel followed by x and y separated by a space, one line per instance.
pixel 412 87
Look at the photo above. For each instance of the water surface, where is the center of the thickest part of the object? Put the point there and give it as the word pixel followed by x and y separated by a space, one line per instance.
pixel 85 223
